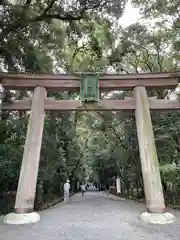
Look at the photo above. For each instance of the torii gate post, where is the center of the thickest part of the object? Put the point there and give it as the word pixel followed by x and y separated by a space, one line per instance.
pixel 30 164
pixel 156 209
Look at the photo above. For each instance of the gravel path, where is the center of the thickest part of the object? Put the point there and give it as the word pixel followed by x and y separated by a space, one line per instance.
pixel 94 216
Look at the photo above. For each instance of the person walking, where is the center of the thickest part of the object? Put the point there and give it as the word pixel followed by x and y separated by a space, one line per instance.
pixel 66 191
pixel 83 188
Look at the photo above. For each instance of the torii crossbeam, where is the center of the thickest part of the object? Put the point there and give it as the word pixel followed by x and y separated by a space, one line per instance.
pixel 107 82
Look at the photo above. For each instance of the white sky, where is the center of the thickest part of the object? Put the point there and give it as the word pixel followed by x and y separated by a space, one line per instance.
pixel 130 15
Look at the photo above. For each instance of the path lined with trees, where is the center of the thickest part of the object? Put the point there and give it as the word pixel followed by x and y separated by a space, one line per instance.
pixel 92 216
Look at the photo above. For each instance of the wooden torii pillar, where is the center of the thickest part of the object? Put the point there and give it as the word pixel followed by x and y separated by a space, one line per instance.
pixel 24 205
pixel 156 211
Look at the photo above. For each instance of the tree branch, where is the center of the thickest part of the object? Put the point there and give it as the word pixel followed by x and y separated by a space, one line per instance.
pixel 65 17
pixel 27 3
pixel 19 24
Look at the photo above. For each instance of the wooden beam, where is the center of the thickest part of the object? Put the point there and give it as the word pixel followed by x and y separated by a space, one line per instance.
pixel 103 105
pixel 161 104
pixel 148 155
pixel 102 76
pixel 66 82
pixel 164 104
pixel 74 86
pixel 31 156
pixel 72 105
pixel 149 98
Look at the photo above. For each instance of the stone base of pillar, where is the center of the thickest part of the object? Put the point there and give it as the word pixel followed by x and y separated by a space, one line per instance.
pixel 21 218
pixel 157 218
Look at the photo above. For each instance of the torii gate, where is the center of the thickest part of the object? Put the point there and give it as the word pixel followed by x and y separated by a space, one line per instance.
pixel 89 86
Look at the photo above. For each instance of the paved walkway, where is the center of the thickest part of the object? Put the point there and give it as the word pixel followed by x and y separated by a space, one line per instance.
pixel 94 217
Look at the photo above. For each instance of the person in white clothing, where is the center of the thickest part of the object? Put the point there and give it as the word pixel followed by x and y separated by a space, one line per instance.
pixel 83 189
pixel 66 191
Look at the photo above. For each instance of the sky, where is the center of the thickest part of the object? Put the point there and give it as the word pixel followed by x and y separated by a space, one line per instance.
pixel 130 15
